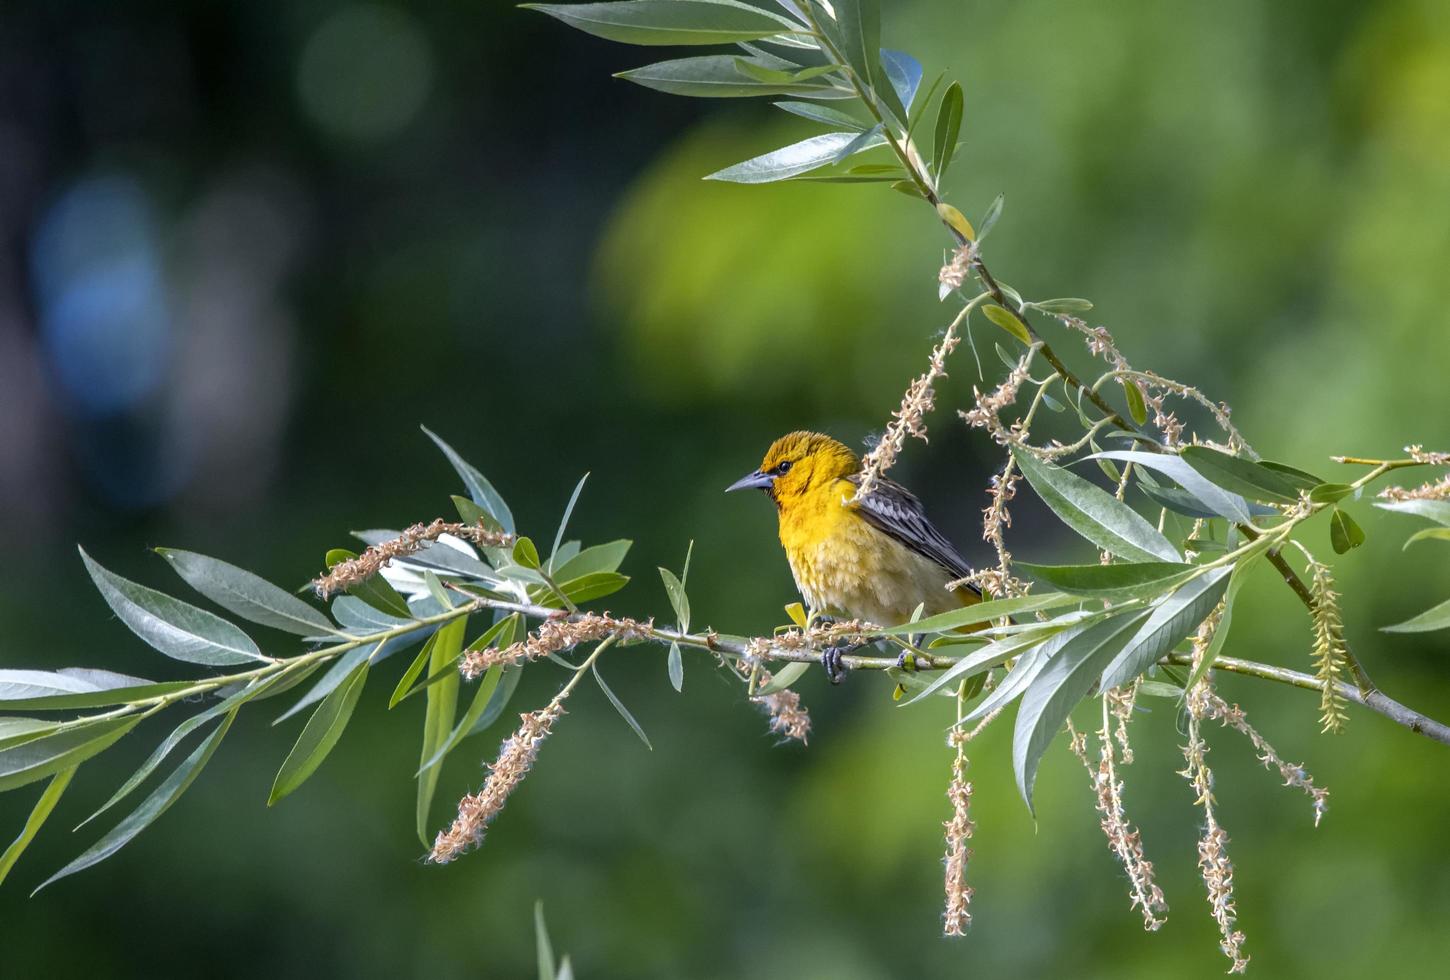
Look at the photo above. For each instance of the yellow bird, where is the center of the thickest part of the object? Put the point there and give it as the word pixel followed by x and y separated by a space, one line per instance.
pixel 876 558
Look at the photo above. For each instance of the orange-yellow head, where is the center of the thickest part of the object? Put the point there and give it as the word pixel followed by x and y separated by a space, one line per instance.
pixel 798 463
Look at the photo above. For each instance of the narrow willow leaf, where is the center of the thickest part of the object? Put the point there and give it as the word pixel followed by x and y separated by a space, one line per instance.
pixel 38 758
pixel 992 655
pixel 823 114
pixel 404 687
pixel 797 614
pixel 500 699
pixel 1094 513
pixel 872 138
pixel 595 585
pixel 341 669
pixel 568 511
pixel 246 594
pixel 487 687
pixel 1178 501
pixel 160 800
pixel 482 492
pixel 1241 476
pixel 526 554
pixel 784 678
pixel 48 799
pixel 1344 533
pixel 1023 672
pixel 956 221
pixel 1168 624
pixel 1129 580
pixel 1328 493
pixel 784 76
pixel 323 730
pixel 1436 510
pixel 1064 680
pixel 623 711
pixel 227 705
pixel 1137 409
pixel 178 629
pixel 859 24
pixel 948 127
pixel 788 161
pixel 1007 322
pixel 1429 534
pixel 1435 618
pixel 437 591
pixel 909 188
pixel 77 687
pixel 989 220
pixel 679 601
pixel 438 717
pixel 675 664
pixel 13 731
pixel 1215 499
pixel 1064 304
pixel 1159 689
pixel 981 612
pixel 905 74
pixel 1220 634
pixel 717 76
pixel 597 558
pixel 501 633
pixel 359 617
pixel 668 21
pixel 1297 477
pixel 545 949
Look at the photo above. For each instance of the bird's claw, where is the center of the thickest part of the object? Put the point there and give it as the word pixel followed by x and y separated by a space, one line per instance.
pixel 832 661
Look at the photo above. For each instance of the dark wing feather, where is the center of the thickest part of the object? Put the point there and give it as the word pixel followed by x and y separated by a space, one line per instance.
pixel 893 509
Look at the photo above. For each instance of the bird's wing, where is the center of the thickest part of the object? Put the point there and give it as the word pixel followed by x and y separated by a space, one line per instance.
pixel 893 509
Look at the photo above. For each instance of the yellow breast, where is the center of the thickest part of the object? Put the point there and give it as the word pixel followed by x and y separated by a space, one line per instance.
pixel 844 566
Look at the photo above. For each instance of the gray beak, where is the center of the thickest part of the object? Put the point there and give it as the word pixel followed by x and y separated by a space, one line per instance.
pixel 752 481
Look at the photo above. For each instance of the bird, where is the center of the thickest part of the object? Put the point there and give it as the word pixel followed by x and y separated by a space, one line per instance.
pixel 876 558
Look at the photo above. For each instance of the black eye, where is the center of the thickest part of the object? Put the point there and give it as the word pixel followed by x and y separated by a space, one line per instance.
pixel 783 468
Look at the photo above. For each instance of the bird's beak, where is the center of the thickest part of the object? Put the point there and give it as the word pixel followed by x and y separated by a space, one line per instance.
pixel 752 481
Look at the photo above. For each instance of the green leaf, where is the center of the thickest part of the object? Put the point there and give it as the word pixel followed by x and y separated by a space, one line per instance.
pixel 872 138
pixel 1159 689
pixel 1137 409
pixel 1023 672
pixel 1344 532
pixel 619 706
pixel 595 585
pixel 442 707
pixel 1429 534
pixel 909 188
pixel 178 629
pixel 596 558
pixel 526 554
pixel 784 678
pixel 323 730
pixel 1007 322
pixel 573 499
pixel 1436 510
pixel 1061 684
pixel 1178 501
pixel 340 670
pixel 1328 493
pixel 718 76
pixel 482 492
pixel 675 664
pixel 992 655
pixel 1220 634
pixel 487 688
pixel 249 596
pixel 500 699
pixel 797 158
pixel 1239 475
pixel 1064 304
pixel 545 948
pixel 76 687
pixel 1094 513
pixel 35 759
pixel 13 731
pixel 981 612
pixel 1436 618
pixel 404 686
pixel 668 22
pixel 1221 502
pixel 160 800
pixel 782 75
pixel 859 24
pixel 994 211
pixel 48 799
pixel 1129 580
pixel 679 601
pixel 1296 477
pixel 1169 623
pixel 904 73
pixel 824 115
pixel 948 127
pixel 797 614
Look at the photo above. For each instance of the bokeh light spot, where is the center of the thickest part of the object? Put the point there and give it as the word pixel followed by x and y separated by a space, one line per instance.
pixel 365 72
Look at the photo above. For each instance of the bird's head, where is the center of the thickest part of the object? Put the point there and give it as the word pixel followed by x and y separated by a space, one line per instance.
pixel 797 462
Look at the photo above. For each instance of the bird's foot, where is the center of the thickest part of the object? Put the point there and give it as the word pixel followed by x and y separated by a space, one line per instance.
pixel 832 661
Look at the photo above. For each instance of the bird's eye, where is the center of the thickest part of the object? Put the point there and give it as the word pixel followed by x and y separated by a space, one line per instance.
pixel 783 468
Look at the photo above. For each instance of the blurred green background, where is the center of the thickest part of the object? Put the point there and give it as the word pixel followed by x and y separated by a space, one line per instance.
pixel 249 247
